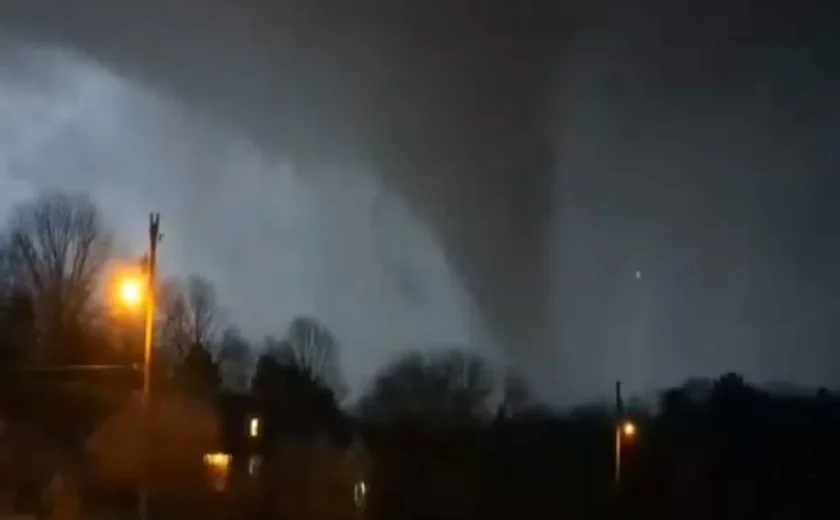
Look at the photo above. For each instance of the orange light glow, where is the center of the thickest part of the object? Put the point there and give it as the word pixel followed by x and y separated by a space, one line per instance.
pixel 629 429
pixel 131 291
pixel 218 467
pixel 217 460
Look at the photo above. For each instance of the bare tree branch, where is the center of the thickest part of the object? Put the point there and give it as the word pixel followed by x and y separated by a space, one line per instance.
pixel 58 249
pixel 444 384
pixel 190 316
pixel 235 358
pixel 312 349
pixel 203 309
pixel 174 331
pixel 517 397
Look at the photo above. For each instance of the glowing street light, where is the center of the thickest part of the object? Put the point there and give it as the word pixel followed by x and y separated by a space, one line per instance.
pixel 623 430
pixel 136 291
pixel 131 291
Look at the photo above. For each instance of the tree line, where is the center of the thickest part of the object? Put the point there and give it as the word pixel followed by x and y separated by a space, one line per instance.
pixel 450 435
pixel 57 309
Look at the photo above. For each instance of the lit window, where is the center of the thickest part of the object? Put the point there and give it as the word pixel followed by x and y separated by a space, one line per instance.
pixel 254 463
pixel 217 460
pixel 218 467
pixel 254 427
pixel 359 493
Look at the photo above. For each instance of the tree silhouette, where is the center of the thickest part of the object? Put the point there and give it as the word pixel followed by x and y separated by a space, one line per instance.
pixel 730 384
pixel 17 318
pixel 57 248
pixel 17 328
pixel 190 320
pixel 203 310
pixel 7 268
pixel 198 373
pixel 189 317
pixel 173 331
pixel 294 402
pixel 235 359
pixel 313 351
pixel 449 384
pixel 733 403
pixel 516 395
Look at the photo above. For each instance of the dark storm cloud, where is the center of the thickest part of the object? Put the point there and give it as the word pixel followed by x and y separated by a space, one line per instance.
pixel 697 149
pixel 691 140
pixel 439 99
pixel 275 244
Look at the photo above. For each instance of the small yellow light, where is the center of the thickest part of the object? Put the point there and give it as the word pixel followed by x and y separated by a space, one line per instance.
pixel 629 429
pixel 218 466
pixel 218 461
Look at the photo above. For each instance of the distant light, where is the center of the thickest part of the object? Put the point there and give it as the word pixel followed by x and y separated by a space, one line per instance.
pixel 254 464
pixel 359 493
pixel 629 429
pixel 217 460
pixel 638 275
pixel 218 467
pixel 254 427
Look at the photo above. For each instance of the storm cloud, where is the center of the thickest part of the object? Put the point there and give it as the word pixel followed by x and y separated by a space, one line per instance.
pixel 550 149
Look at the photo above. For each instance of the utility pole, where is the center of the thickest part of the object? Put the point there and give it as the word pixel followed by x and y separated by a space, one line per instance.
pixel 148 344
pixel 619 419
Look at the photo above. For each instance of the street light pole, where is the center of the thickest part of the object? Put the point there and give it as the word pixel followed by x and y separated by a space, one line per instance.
pixel 625 430
pixel 618 453
pixel 148 343
pixel 619 417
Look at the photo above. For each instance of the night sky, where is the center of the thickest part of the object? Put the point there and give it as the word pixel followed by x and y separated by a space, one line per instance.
pixel 493 176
